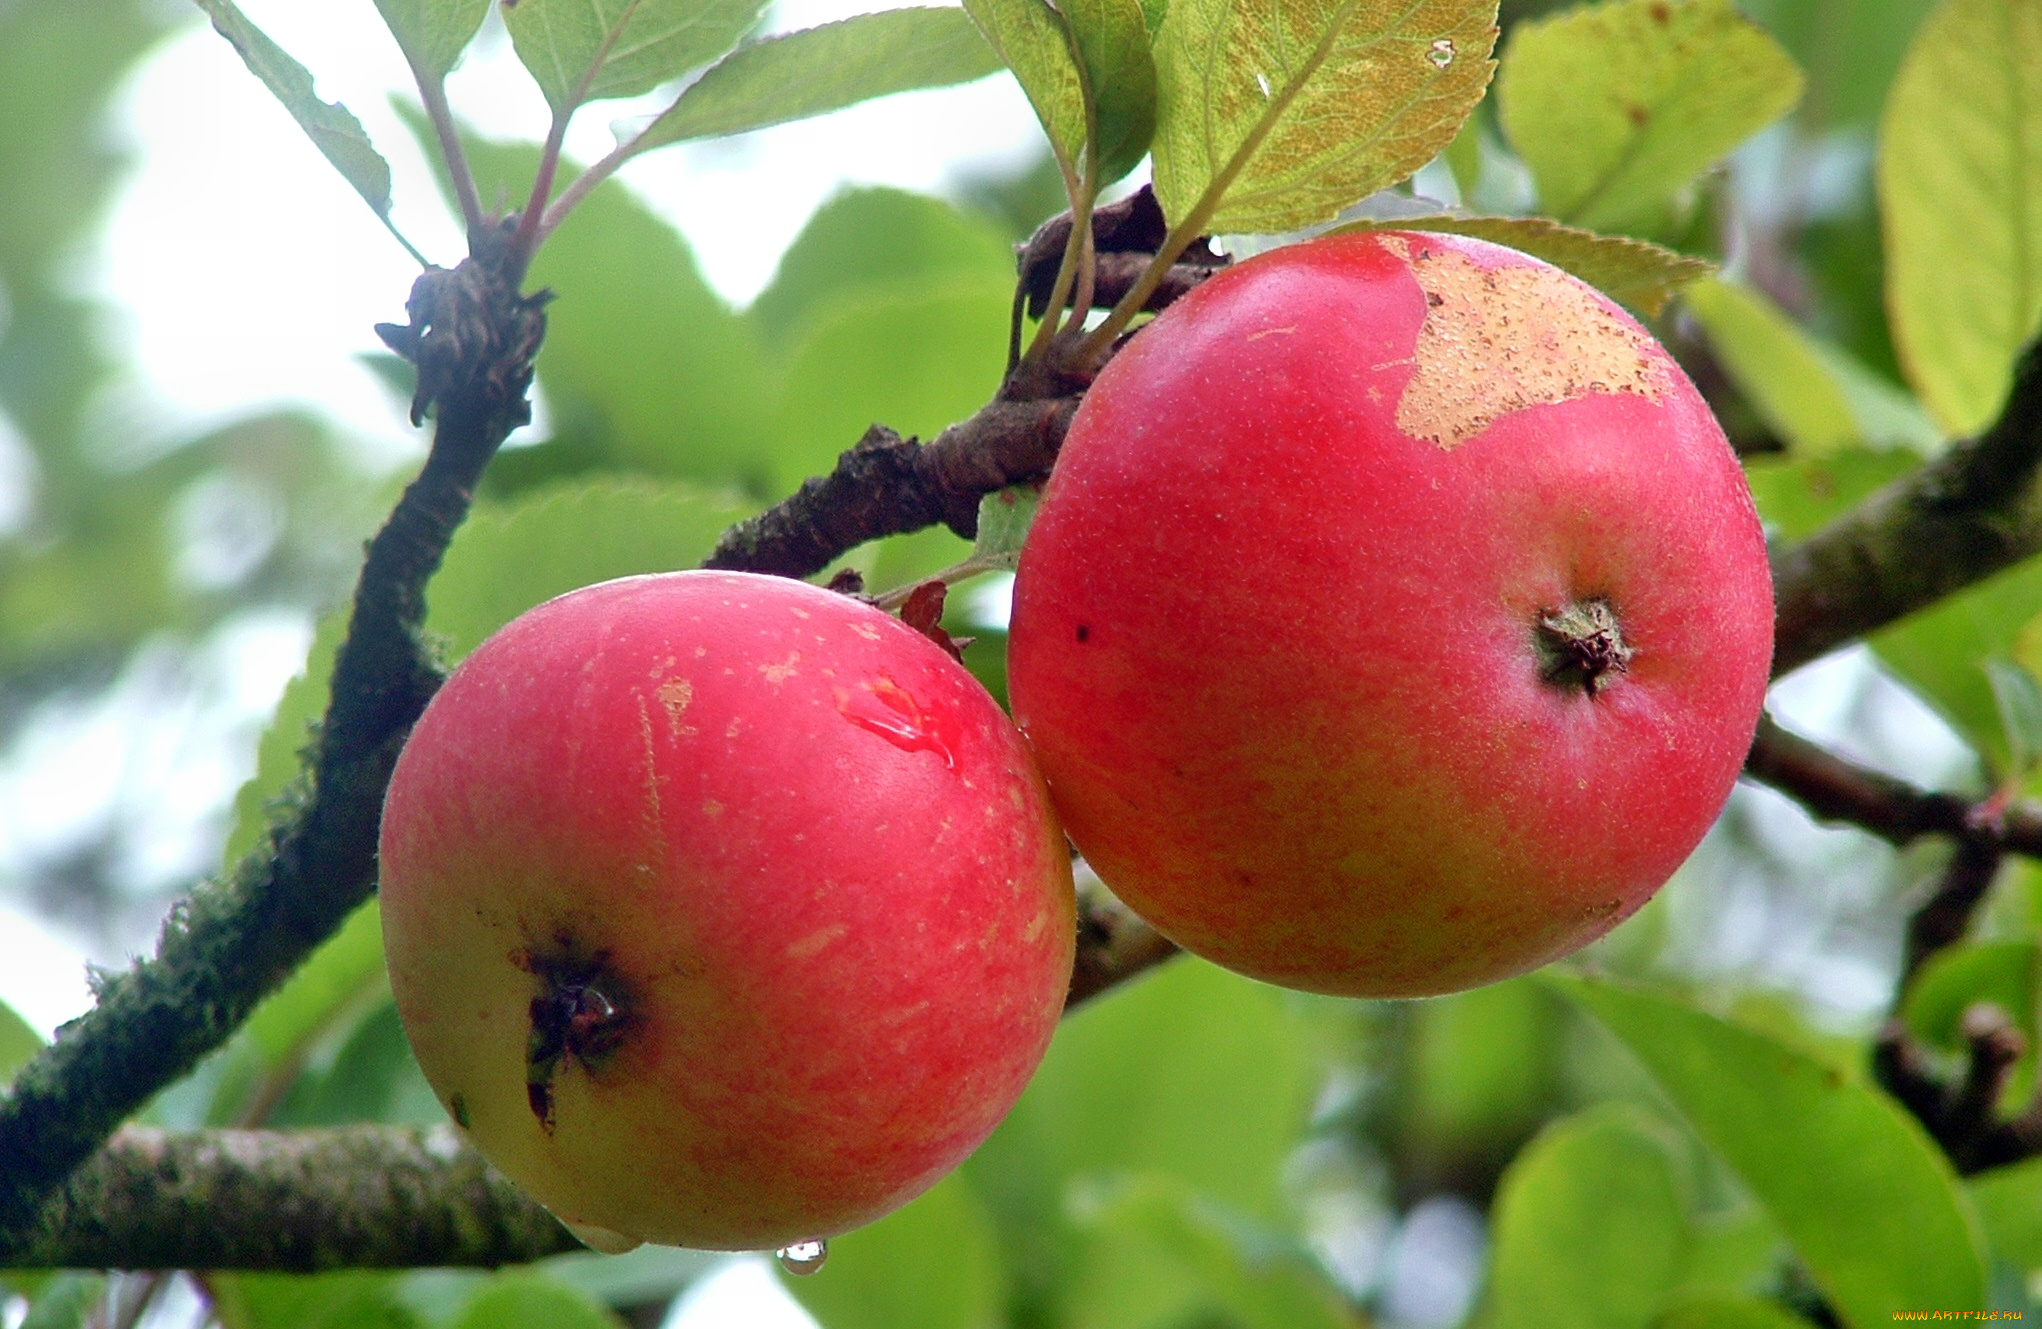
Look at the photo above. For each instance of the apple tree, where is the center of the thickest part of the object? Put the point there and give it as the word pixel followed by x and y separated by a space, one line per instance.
pixel 1798 1088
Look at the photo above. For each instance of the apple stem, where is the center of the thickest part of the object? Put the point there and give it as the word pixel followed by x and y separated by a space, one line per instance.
pixel 1581 646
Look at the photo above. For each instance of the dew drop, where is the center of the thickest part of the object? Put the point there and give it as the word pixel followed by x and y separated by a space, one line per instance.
pixel 803 1257
pixel 1441 54
pixel 605 1240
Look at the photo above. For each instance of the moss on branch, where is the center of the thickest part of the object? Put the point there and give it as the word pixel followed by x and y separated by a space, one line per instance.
pixel 362 1197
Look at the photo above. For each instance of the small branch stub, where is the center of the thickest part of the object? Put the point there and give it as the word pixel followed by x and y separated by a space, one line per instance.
pixel 1580 646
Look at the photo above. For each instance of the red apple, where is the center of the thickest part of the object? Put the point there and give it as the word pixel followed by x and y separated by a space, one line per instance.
pixel 721 910
pixel 1396 618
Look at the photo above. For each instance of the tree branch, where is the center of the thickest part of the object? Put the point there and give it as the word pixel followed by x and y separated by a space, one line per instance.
pixel 473 337
pixel 359 1197
pixel 1971 512
pixel 888 485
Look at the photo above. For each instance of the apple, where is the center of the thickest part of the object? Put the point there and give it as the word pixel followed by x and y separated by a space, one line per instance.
pixel 721 910
pixel 1396 618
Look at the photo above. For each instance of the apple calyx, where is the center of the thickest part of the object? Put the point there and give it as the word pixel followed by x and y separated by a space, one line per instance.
pixel 579 1013
pixel 1580 646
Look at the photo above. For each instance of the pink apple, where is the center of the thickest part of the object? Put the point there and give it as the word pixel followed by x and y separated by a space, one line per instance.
pixel 721 910
pixel 1396 619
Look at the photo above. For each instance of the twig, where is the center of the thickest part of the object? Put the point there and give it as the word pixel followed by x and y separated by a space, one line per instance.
pixel 473 337
pixel 1944 918
pixel 1113 946
pixel 888 485
pixel 1961 1117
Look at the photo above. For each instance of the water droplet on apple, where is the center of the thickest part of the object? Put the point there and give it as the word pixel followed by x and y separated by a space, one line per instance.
pixel 1441 54
pixel 803 1257
pixel 602 1239
pixel 885 708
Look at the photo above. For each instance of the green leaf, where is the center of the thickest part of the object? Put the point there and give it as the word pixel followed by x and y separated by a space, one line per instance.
pixel 1731 1251
pixel 433 33
pixel 2019 699
pixel 1191 1073
pixel 1256 1278
pixel 18 1042
pixel 331 126
pixel 1478 1070
pixel 347 1300
pixel 347 965
pixel 1775 365
pixel 1111 40
pixel 876 242
pixel 1590 1225
pixel 1960 190
pixel 370 1076
pixel 1723 1311
pixel 329 988
pixel 1003 521
pixel 1796 496
pixel 531 1301
pixel 1615 106
pixel 934 1264
pixel 1940 652
pixel 620 48
pixel 1033 40
pixel 916 358
pixel 509 557
pixel 1637 273
pixel 1869 1203
pixel 823 69
pixel 1275 116
pixel 2009 1202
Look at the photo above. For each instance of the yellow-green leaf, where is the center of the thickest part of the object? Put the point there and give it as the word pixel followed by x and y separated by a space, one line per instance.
pixel 1637 273
pixel 1616 106
pixel 1276 115
pixel 1960 195
pixel 1773 363
pixel 1034 41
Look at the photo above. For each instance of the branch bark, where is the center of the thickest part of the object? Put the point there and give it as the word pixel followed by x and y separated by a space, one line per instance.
pixel 887 485
pixel 359 1197
pixel 473 338
pixel 1971 512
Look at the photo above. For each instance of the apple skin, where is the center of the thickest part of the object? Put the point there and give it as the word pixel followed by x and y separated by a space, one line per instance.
pixel 802 860
pixel 1276 635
